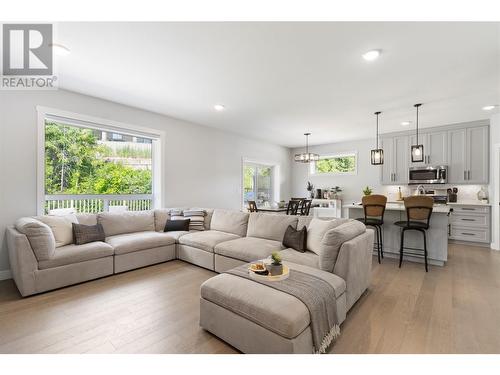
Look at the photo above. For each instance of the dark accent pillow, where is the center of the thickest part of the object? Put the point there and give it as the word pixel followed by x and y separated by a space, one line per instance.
pixel 295 239
pixel 88 233
pixel 177 225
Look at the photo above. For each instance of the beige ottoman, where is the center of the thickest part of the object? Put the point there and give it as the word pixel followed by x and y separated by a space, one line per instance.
pixel 255 318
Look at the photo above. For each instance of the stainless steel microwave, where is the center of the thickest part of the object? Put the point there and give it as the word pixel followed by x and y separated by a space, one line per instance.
pixel 428 175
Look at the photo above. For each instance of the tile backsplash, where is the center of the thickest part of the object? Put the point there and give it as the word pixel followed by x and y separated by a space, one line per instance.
pixel 465 192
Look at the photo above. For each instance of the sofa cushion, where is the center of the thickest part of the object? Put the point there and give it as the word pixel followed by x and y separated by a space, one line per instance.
pixel 130 242
pixel 87 219
pixel 234 222
pixel 206 240
pixel 304 221
pixel 39 235
pixel 71 254
pixel 317 229
pixel 269 226
pixel 248 249
pixel 176 234
pixel 61 226
pixel 126 222
pixel 333 240
pixel 307 258
pixel 161 217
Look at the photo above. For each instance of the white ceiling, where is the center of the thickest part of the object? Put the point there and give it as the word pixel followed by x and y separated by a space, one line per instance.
pixel 278 80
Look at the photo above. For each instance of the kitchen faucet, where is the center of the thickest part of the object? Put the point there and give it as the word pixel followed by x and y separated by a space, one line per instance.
pixel 421 190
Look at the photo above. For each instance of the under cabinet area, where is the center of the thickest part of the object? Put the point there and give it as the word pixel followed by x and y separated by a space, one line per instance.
pixel 469 223
pixel 463 148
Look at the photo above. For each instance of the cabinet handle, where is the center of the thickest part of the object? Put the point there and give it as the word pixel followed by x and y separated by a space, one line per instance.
pixel 468 220
pixel 465 175
pixel 468 209
pixel 428 159
pixel 468 234
pixel 468 175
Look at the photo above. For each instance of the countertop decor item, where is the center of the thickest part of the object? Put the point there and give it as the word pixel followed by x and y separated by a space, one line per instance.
pixel 377 155
pixel 367 191
pixel 310 189
pixel 306 157
pixel 417 150
pixel 482 195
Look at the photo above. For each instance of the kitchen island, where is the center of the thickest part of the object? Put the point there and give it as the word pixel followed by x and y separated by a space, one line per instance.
pixel 437 234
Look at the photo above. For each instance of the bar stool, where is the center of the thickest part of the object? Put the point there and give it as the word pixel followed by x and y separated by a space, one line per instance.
pixel 418 215
pixel 252 206
pixel 374 209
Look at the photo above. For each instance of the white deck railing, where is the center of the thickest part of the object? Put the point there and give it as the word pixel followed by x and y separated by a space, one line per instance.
pixel 98 203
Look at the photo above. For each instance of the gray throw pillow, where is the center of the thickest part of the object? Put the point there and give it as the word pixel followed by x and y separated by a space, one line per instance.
pixel 88 233
pixel 295 239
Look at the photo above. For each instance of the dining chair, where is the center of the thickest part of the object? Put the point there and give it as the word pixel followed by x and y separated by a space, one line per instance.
pixel 252 206
pixel 305 207
pixel 293 207
pixel 418 216
pixel 374 209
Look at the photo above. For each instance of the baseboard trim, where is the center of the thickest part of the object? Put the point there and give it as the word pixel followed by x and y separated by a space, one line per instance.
pixel 4 275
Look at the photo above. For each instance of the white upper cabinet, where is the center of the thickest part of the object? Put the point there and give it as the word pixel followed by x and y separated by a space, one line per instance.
pixel 395 168
pixel 435 148
pixel 468 155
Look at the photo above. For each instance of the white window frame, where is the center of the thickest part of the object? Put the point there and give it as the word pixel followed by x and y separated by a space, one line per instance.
pixel 275 181
pixel 312 166
pixel 157 148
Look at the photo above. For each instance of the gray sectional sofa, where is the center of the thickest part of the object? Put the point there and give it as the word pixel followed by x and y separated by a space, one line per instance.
pixel 43 257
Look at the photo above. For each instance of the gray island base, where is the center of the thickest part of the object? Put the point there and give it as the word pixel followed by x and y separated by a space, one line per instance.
pixel 437 234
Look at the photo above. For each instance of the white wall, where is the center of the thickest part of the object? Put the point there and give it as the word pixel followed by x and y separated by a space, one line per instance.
pixel 202 165
pixel 494 189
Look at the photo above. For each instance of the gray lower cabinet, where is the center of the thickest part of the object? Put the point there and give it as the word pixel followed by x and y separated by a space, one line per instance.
pixel 470 223
pixel 395 168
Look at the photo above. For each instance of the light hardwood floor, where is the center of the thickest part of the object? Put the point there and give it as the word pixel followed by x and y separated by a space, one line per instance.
pixel 451 309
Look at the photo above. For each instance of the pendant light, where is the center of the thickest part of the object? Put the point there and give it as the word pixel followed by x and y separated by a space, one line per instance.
pixel 417 150
pixel 377 155
pixel 306 157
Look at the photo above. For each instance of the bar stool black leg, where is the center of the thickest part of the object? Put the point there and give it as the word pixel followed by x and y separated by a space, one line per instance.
pixel 401 248
pixel 381 241
pixel 378 243
pixel 425 251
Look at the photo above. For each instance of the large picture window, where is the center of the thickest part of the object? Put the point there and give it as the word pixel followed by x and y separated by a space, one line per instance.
pixel 341 163
pixel 88 168
pixel 258 184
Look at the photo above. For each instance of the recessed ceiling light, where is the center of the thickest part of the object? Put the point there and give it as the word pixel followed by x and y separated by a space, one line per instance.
pixel 371 55
pixel 219 107
pixel 406 123
pixel 60 50
pixel 489 107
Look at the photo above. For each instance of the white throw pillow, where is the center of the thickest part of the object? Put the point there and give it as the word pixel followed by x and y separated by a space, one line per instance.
pixel 61 226
pixel 316 230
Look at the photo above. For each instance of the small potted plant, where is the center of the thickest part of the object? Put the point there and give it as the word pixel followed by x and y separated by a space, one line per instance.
pixel 367 191
pixel 310 189
pixel 276 267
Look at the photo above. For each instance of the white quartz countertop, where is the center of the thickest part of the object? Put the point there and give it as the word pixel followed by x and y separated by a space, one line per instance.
pixel 469 203
pixel 399 206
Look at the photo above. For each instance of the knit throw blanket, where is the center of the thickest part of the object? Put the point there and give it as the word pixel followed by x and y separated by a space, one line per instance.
pixel 318 296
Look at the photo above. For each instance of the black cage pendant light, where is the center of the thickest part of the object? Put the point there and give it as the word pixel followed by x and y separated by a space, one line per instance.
pixel 417 150
pixel 377 155
pixel 306 157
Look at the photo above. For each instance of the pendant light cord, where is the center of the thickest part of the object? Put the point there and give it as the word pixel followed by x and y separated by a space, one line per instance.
pixel 417 106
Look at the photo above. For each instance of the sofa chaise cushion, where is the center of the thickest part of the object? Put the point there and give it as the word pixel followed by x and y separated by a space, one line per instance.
pixel 39 235
pixel 206 240
pixel 71 254
pixel 269 226
pixel 307 258
pixel 234 222
pixel 248 249
pixel 126 222
pixel 131 242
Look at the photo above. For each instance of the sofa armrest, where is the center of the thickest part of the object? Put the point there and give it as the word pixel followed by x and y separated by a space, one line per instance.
pixel 23 263
pixel 354 265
